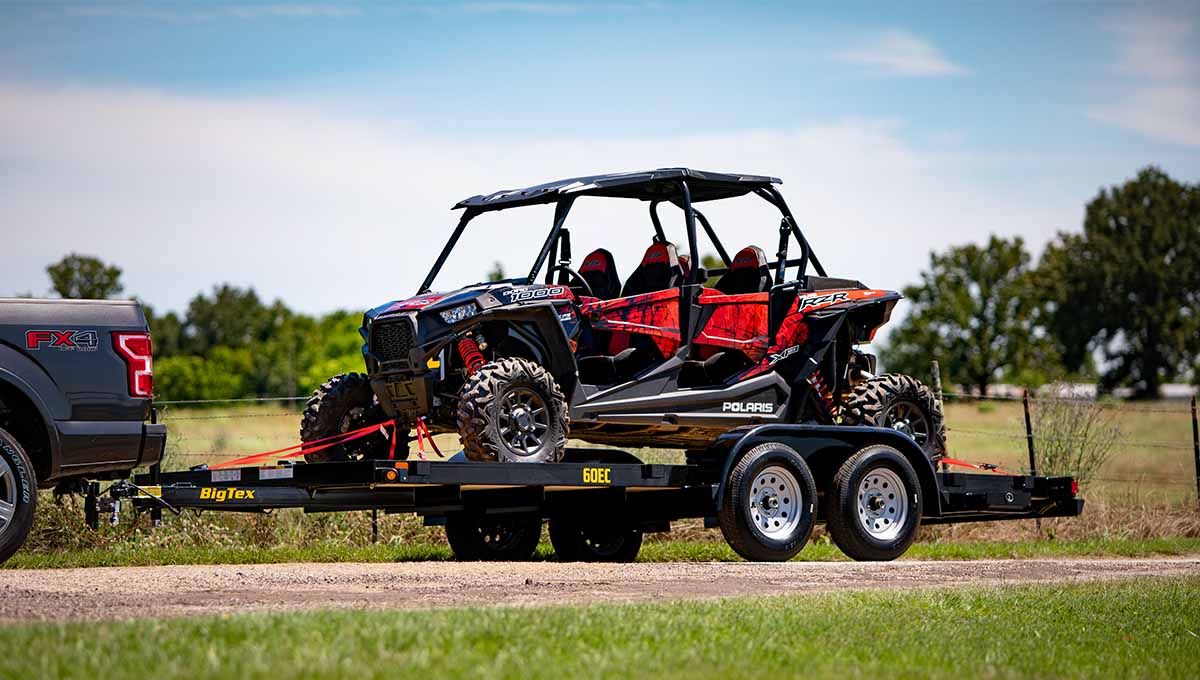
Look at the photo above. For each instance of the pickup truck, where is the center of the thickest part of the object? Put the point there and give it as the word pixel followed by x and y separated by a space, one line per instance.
pixel 76 390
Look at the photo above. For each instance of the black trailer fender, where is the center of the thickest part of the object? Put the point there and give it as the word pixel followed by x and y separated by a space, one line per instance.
pixel 825 447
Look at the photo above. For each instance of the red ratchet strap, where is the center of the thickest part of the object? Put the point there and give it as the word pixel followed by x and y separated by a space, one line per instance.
pixel 302 448
pixel 987 467
pixel 423 434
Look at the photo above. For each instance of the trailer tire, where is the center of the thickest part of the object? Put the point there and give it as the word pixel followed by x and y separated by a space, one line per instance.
pixel 899 402
pixel 875 508
pixel 769 504
pixel 505 395
pixel 345 403
pixel 18 495
pixel 494 538
pixel 576 541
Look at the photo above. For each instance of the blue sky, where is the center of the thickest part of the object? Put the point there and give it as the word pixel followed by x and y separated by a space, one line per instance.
pixel 266 143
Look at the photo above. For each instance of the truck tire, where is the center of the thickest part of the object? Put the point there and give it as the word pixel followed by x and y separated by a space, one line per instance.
pixel 875 505
pixel 18 495
pixel 345 403
pixel 899 402
pixel 512 411
pixel 496 538
pixel 769 504
pixel 576 541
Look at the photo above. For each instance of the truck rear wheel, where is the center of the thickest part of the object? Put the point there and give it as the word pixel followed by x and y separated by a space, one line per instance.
pixel 876 505
pixel 343 404
pixel 577 541
pixel 767 511
pixel 902 403
pixel 501 538
pixel 18 495
pixel 512 411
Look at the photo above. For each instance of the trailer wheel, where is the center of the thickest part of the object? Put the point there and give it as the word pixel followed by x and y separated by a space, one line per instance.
pixel 18 495
pixel 902 403
pixel 769 504
pixel 876 505
pixel 512 411
pixel 499 538
pixel 345 403
pixel 576 541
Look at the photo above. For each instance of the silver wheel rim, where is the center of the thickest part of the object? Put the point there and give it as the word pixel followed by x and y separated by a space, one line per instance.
pixel 524 420
pixel 882 504
pixel 907 417
pixel 8 494
pixel 775 502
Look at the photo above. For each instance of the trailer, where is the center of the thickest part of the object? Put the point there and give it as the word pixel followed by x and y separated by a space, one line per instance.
pixel 764 486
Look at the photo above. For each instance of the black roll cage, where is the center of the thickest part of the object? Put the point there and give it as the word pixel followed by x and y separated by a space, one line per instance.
pixel 558 240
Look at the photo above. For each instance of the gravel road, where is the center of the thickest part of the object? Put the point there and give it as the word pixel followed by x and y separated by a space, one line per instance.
pixel 157 592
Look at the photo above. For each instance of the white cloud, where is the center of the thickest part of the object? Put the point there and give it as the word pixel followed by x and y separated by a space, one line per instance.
pixel 1157 92
pixel 178 14
pixel 332 211
pixel 897 52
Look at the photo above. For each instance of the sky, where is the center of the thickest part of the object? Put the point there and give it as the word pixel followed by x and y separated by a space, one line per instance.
pixel 313 150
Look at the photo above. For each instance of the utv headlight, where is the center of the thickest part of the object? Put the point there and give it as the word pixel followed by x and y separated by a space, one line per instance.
pixel 456 314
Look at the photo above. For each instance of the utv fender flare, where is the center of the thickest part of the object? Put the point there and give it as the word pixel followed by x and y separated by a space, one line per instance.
pixel 560 360
pixel 826 446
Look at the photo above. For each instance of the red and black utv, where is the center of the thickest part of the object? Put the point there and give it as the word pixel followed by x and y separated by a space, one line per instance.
pixel 516 367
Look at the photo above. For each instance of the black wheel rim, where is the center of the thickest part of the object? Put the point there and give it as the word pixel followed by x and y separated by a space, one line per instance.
pixel 501 535
pixel 602 543
pixel 8 494
pixel 907 417
pixel 524 420
pixel 366 447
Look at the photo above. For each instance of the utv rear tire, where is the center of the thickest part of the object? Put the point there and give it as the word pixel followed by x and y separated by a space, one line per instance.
pixel 605 541
pixel 345 403
pixel 512 411
pixel 875 505
pixel 899 402
pixel 494 538
pixel 18 495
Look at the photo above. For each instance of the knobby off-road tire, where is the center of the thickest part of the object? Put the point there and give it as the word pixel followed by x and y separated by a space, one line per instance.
pixel 875 505
pixel 769 505
pixel 18 495
pixel 512 411
pixel 902 403
pixel 575 540
pixel 344 403
pixel 501 538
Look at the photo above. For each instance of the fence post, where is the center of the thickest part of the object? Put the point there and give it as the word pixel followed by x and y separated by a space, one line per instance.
pixel 1032 458
pixel 374 525
pixel 937 393
pixel 1196 448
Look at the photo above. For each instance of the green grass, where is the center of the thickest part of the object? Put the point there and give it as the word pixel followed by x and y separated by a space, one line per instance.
pixel 129 554
pixel 1146 628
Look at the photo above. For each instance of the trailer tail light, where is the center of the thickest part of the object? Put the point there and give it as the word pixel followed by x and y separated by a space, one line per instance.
pixel 1074 487
pixel 135 349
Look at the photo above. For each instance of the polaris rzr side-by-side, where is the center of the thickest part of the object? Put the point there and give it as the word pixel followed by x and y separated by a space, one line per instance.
pixel 516 367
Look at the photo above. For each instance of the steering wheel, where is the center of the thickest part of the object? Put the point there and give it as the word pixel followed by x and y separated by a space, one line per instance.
pixel 575 276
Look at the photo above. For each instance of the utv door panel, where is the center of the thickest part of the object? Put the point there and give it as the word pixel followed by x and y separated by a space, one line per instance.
pixel 737 322
pixel 653 315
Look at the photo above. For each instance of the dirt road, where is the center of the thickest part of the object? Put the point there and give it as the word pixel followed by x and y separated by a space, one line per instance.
pixel 154 592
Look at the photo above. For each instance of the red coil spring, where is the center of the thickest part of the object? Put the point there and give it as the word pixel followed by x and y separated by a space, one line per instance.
pixel 822 388
pixel 472 358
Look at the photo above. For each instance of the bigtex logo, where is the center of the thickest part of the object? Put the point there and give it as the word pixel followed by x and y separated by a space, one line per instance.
pixel 222 495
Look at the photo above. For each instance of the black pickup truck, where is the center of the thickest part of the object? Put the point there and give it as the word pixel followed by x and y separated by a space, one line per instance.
pixel 76 390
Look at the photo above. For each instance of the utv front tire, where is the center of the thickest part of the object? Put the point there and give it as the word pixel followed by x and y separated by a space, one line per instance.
pixel 512 411
pixel 899 402
pixel 343 404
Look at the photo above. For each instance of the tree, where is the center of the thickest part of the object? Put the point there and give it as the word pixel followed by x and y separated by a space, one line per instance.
pixel 232 317
pixel 972 312
pixel 1129 285
pixel 497 272
pixel 83 277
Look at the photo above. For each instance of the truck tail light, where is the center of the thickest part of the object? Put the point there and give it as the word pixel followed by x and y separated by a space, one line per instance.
pixel 135 349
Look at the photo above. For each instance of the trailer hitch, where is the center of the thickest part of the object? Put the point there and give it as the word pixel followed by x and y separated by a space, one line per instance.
pixel 96 503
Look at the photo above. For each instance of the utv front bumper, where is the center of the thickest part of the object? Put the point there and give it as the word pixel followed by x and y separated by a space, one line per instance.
pixel 400 377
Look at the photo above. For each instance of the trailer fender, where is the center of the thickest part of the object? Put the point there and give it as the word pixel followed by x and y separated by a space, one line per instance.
pixel 824 446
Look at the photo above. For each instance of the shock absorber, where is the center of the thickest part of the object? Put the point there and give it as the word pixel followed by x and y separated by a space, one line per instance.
pixel 817 381
pixel 472 358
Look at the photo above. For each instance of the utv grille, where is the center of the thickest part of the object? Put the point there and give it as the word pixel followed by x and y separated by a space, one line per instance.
pixel 391 340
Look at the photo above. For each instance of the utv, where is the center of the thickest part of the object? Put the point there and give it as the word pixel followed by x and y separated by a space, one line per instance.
pixel 516 366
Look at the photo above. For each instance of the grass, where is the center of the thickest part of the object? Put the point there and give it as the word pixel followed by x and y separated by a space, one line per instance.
pixel 1144 628
pixel 127 554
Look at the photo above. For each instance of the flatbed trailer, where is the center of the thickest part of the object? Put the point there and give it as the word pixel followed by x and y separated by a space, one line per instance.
pixel 763 486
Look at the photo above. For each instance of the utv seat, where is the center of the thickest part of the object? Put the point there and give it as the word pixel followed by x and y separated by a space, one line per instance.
pixel 659 270
pixel 748 273
pixel 599 269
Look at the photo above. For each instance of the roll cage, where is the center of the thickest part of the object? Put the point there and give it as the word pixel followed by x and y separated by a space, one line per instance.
pixel 681 187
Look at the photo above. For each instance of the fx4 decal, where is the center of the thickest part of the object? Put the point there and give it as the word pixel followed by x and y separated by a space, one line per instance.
pixel 67 340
